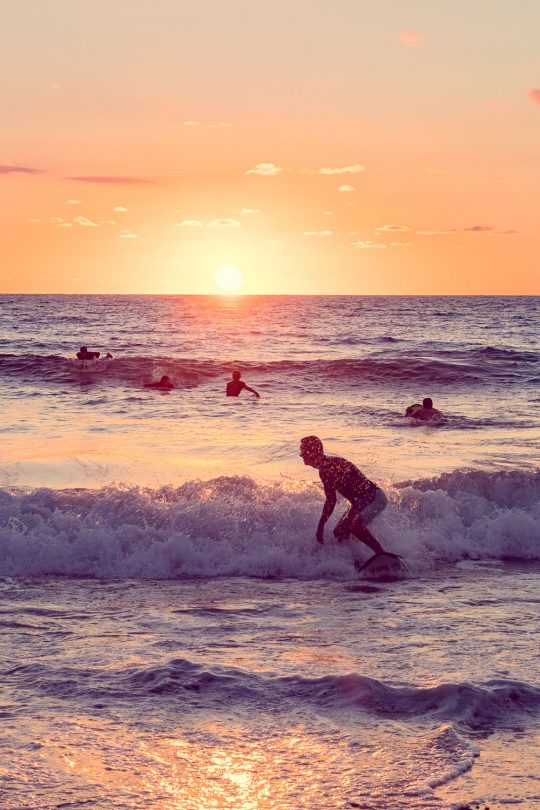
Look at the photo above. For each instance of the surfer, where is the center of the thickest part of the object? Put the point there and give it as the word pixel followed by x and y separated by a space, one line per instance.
pixel 339 475
pixel 164 384
pixel 84 354
pixel 425 412
pixel 236 385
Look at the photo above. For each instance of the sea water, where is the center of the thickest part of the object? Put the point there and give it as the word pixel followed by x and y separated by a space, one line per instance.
pixel 172 634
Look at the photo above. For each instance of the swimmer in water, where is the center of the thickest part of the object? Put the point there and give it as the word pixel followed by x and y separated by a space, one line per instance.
pixel 339 475
pixel 84 354
pixel 163 385
pixel 426 412
pixel 236 385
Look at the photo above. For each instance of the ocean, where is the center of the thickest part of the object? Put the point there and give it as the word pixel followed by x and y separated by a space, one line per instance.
pixel 173 636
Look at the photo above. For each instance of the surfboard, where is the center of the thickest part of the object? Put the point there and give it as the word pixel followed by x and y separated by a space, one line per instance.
pixel 382 566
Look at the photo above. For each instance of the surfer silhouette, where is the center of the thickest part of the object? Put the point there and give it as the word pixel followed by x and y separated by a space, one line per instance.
pixel 84 354
pixel 236 385
pixel 425 412
pixel 339 475
pixel 164 384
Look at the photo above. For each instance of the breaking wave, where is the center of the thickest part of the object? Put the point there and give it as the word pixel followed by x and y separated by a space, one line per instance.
pixel 234 526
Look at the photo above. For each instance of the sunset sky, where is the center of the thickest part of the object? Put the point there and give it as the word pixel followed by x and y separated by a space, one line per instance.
pixel 354 146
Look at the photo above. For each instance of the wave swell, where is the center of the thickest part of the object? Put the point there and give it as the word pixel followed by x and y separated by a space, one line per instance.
pixel 443 367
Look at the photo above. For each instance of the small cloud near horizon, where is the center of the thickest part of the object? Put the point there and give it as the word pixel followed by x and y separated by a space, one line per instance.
pixel 125 233
pixel 478 228
pixel 410 38
pixel 120 208
pixel 394 228
pixel 110 179
pixel 85 222
pixel 189 223
pixel 534 95
pixel 224 223
pixel 317 233
pixel 74 202
pixel 265 169
pixel 355 168
pixel 248 211
pixel 20 170
pixel 346 189
pixel 368 244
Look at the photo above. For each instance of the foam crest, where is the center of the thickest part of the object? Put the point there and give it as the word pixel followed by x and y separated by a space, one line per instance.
pixel 234 526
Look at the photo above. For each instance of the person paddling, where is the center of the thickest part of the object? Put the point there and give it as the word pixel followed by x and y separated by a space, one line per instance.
pixel 164 384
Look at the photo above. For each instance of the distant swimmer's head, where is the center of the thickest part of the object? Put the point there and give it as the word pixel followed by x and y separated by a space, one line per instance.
pixel 83 349
pixel 164 380
pixel 427 403
pixel 311 451
pixel 236 375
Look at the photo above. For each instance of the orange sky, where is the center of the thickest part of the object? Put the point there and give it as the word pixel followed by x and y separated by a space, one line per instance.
pixel 353 147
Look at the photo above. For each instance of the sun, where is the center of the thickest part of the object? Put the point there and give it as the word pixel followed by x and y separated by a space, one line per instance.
pixel 229 279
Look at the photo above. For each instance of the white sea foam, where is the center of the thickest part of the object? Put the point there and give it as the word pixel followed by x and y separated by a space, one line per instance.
pixel 233 526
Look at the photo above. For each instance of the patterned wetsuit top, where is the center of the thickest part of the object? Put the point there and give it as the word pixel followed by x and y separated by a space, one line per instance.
pixel 339 474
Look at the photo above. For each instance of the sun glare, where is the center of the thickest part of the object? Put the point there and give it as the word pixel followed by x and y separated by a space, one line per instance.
pixel 229 279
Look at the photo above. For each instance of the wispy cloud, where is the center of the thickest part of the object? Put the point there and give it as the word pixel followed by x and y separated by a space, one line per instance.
pixel 265 169
pixel 534 95
pixel 224 223
pixel 20 170
pixel 394 228
pixel 410 38
pixel 346 189
pixel 65 225
pixel 317 233
pixel 189 223
pixel 400 244
pixel 356 168
pixel 328 213
pixel 74 202
pixel 85 222
pixel 120 208
pixel 248 211
pixel 368 245
pixel 125 233
pixel 478 228
pixel 207 125
pixel 123 181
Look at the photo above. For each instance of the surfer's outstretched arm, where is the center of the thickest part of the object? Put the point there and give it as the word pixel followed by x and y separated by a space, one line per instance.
pixel 252 390
pixel 328 508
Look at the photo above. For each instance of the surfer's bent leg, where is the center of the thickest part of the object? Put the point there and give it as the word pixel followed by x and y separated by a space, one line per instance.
pixel 362 517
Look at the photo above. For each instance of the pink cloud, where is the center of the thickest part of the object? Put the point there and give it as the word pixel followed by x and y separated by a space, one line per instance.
pixel 412 39
pixel 534 95
pixel 19 170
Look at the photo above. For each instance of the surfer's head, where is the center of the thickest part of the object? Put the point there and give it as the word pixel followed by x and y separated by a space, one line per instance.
pixel 236 375
pixel 311 451
pixel 427 403
pixel 83 349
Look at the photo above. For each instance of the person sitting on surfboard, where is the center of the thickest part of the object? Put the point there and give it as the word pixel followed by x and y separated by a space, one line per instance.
pixel 84 354
pixel 236 385
pixel 426 412
pixel 164 384
pixel 339 475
